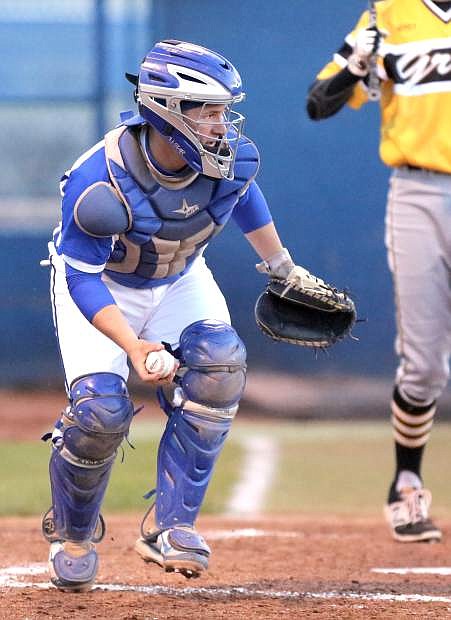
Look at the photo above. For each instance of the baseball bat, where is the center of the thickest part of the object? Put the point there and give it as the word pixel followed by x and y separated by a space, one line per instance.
pixel 374 90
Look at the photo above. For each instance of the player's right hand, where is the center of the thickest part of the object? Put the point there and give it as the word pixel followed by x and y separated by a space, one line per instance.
pixel 138 356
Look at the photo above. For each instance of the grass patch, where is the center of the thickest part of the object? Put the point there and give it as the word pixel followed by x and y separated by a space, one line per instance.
pixel 25 489
pixel 323 467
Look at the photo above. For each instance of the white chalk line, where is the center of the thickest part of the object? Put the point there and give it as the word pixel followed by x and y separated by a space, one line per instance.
pixel 258 470
pixel 249 532
pixel 415 570
pixel 9 579
pixel 261 455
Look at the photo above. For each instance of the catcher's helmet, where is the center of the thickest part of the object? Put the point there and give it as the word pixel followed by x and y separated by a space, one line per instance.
pixel 173 76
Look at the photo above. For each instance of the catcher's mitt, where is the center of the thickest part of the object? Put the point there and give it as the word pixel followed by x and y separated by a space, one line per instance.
pixel 304 310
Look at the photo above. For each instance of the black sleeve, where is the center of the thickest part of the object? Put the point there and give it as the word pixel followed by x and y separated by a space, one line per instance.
pixel 326 97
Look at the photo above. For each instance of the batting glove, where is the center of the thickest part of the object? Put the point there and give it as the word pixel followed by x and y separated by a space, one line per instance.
pixel 366 44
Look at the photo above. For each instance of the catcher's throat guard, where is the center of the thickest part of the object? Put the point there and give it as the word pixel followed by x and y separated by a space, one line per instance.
pixel 290 314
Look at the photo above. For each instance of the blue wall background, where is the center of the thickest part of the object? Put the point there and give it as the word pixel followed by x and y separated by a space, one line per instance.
pixel 323 181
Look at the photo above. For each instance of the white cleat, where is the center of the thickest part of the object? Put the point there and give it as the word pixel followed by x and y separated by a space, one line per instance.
pixel 179 549
pixel 408 517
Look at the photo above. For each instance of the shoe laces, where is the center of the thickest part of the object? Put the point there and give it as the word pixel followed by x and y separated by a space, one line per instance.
pixel 417 503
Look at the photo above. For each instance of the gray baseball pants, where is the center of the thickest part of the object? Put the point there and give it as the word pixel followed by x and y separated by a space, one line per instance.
pixel 418 241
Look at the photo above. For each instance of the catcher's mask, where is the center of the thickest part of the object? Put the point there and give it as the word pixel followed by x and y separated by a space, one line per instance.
pixel 174 75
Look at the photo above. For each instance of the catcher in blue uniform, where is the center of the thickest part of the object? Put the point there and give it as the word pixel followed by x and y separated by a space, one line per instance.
pixel 127 275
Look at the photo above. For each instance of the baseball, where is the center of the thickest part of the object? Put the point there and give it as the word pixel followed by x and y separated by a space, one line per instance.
pixel 161 362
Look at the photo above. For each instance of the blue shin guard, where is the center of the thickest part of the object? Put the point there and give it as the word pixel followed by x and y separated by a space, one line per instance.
pixel 188 451
pixel 211 384
pixel 85 442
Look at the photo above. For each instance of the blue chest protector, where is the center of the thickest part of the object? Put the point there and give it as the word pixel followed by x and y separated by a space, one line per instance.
pixel 167 225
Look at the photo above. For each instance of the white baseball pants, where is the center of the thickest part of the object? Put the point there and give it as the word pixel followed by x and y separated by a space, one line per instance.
pixel 158 314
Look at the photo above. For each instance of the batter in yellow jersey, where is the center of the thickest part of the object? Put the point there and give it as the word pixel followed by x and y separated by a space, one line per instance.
pixel 400 53
pixel 415 68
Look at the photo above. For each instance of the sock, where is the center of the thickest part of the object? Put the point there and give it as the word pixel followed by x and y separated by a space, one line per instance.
pixel 407 419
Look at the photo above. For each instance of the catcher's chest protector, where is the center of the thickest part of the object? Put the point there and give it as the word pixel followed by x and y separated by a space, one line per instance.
pixel 169 224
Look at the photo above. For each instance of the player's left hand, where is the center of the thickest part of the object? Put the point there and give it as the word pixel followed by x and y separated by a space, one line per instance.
pixel 300 308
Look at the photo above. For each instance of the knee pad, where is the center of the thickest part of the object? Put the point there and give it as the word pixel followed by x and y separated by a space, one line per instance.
pixel 213 364
pixel 85 441
pixel 212 381
pixel 97 421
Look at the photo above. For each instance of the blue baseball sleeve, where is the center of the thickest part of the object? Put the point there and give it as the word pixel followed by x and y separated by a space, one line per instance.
pixel 252 211
pixel 88 291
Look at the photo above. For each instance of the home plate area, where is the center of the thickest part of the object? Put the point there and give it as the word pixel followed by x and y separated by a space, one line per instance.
pixel 319 566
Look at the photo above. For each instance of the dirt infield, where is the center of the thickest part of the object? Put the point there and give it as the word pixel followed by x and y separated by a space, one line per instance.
pixel 272 567
pixel 268 567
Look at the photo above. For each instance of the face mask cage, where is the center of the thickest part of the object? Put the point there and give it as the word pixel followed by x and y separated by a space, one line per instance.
pixel 216 139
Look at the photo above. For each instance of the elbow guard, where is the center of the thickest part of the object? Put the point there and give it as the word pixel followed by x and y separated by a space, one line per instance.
pixel 327 97
pixel 99 212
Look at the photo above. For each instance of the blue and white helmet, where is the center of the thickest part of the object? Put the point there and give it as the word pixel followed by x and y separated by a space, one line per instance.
pixel 175 76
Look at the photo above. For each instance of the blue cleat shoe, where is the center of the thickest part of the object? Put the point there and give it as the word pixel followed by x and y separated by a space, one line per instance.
pixel 73 566
pixel 179 549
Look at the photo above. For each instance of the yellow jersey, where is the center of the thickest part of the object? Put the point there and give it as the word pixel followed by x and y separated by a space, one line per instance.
pixel 414 65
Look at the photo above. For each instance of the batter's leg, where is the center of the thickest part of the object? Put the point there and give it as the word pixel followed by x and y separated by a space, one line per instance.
pixel 418 261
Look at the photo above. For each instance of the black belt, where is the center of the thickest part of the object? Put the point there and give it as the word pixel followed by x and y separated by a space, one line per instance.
pixel 409 167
